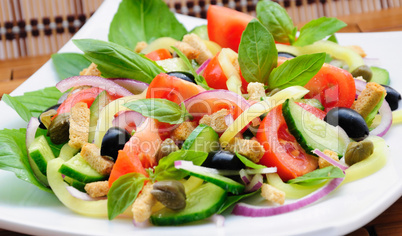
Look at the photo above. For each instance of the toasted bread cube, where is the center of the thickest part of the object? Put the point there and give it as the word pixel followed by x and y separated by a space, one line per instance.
pixel 91 70
pixel 97 189
pixel 142 206
pixel 79 125
pixel 273 194
pixel 91 154
pixel 369 98
pixel 322 163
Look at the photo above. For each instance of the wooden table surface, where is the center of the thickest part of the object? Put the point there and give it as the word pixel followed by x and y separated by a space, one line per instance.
pixel 14 72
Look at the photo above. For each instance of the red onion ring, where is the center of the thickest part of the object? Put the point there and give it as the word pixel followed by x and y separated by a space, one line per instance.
pixel 202 67
pixel 127 119
pixel 219 220
pixel 134 86
pixel 255 184
pixel 94 81
pixel 229 119
pixel 330 160
pixel 81 195
pixel 33 125
pixel 244 176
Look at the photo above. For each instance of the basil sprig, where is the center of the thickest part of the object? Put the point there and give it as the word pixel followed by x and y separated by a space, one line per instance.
pixel 297 71
pixel 143 20
pixel 257 53
pixel 330 172
pixel 249 163
pixel 123 193
pixel 115 61
pixel 69 64
pixel 160 109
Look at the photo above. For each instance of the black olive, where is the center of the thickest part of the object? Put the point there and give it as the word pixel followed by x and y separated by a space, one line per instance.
pixel 248 134
pixel 113 141
pixel 183 75
pixel 350 121
pixel 393 97
pixel 286 54
pixel 54 107
pixel 223 160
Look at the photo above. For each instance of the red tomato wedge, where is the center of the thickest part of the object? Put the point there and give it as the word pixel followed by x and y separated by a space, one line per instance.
pixel 159 54
pixel 225 26
pixel 282 149
pixel 86 95
pixel 172 88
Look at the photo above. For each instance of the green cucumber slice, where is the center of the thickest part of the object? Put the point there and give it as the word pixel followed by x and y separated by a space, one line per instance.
pixel 67 152
pixel 173 64
pixel 201 31
pixel 75 183
pixel 99 103
pixel 200 204
pixel 77 168
pixel 41 153
pixel 312 132
pixel 380 75
pixel 312 102
pixel 202 139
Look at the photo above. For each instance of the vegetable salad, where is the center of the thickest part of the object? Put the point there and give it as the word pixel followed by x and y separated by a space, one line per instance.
pixel 172 127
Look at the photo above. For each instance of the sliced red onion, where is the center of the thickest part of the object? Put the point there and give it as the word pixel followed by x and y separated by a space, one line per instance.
pixel 144 224
pixel 330 160
pixel 385 112
pixel 255 184
pixel 244 176
pixel 267 170
pixel 63 98
pixel 229 119
pixel 83 196
pixel 128 120
pixel 33 125
pixel 244 209
pixel 219 220
pixel 95 81
pixel 202 67
pixel 134 86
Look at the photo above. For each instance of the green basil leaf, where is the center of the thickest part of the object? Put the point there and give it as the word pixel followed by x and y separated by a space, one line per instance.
pixel 249 163
pixel 231 200
pixel 370 117
pixel 32 104
pixel 257 53
pixel 14 157
pixel 69 64
pixel 123 193
pixel 297 71
pixel 143 20
pixel 330 172
pixel 198 79
pixel 333 38
pixel 161 109
pixel 115 61
pixel 277 21
pixel 318 29
pixel 166 169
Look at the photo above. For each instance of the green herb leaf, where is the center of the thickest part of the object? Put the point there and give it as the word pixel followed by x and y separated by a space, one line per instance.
pixel 330 172
pixel 333 38
pixel 143 20
pixel 161 109
pixel 297 71
pixel 257 53
pixel 231 200
pixel 198 79
pixel 69 64
pixel 123 193
pixel 115 61
pixel 14 157
pixel 166 169
pixel 249 163
pixel 33 103
pixel 277 21
pixel 318 29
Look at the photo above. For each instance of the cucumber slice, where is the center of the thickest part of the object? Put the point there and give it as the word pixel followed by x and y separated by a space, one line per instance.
pixel 67 152
pixel 41 153
pixel 200 204
pixel 312 102
pixel 75 183
pixel 173 64
pixel 380 75
pixel 201 31
pixel 202 139
pixel 77 168
pixel 312 132
pixel 99 103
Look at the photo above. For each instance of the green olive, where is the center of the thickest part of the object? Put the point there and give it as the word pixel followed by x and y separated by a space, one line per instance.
pixel 363 71
pixel 358 151
pixel 59 129
pixel 170 193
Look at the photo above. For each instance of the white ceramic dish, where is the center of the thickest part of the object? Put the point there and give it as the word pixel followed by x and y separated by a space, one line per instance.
pixel 25 209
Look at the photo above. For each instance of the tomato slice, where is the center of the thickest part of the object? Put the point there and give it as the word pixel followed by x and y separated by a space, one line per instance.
pixel 159 54
pixel 282 149
pixel 225 26
pixel 172 88
pixel 86 95
pixel 333 87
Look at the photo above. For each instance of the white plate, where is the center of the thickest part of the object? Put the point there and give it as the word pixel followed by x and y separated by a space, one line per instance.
pixel 26 209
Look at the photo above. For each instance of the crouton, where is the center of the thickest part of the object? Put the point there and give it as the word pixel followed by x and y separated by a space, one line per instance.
pixel 251 149
pixel 97 189
pixel 357 49
pixel 322 163
pixel 369 98
pixel 91 70
pixel 273 194
pixel 190 52
pixel 255 91
pixel 216 121
pixel 167 146
pixel 140 46
pixel 196 42
pixel 91 154
pixel 79 125
pixel 142 207
pixel 184 130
